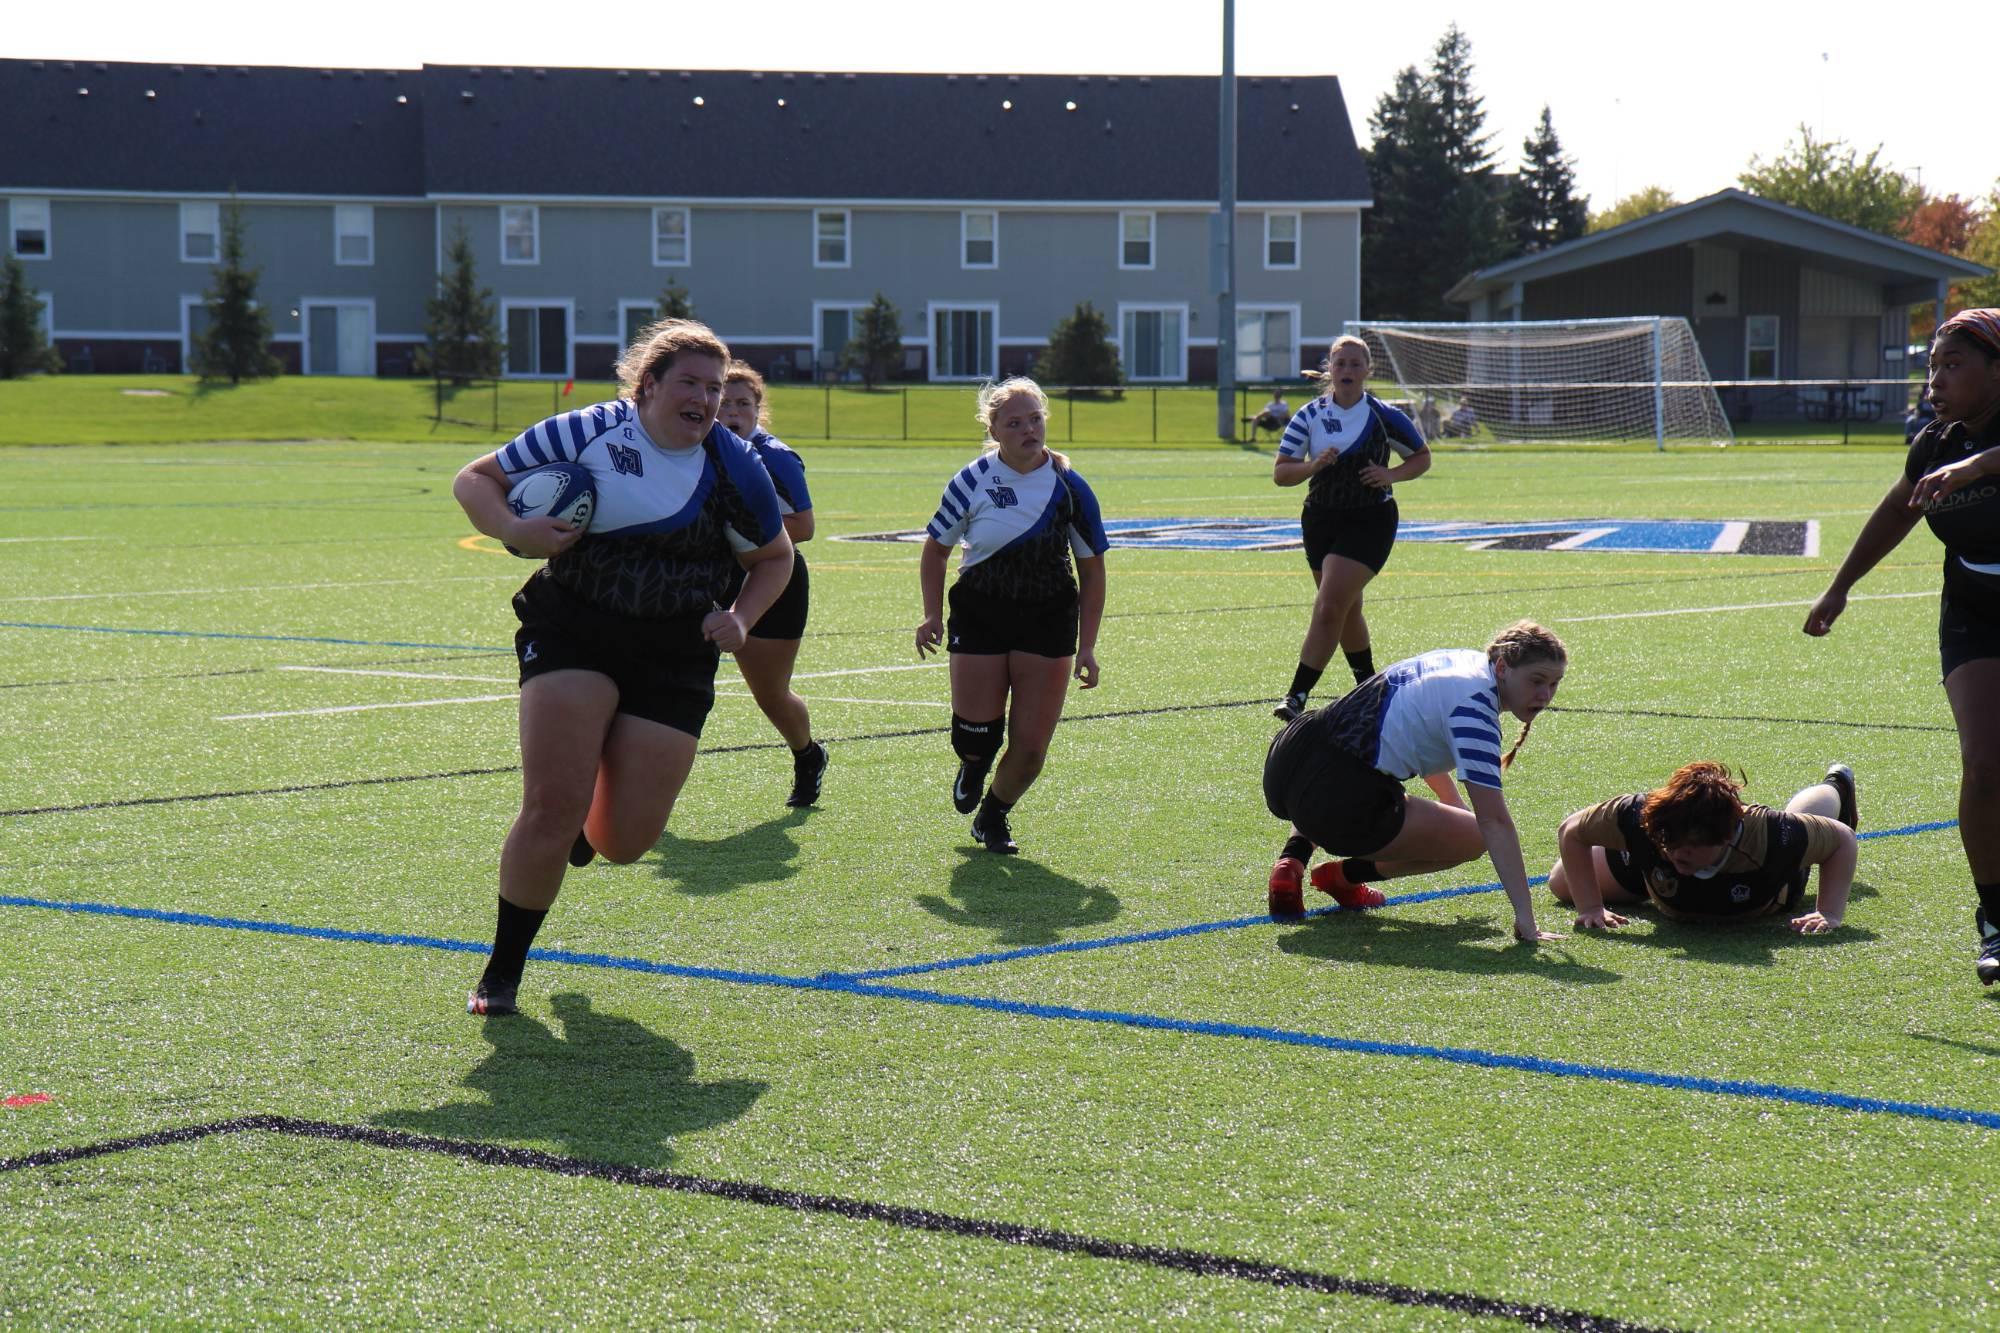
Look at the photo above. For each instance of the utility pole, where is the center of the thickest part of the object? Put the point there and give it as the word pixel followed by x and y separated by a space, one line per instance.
pixel 1223 248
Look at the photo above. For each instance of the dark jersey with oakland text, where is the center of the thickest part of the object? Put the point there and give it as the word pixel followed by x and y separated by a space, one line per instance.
pixel 1967 521
pixel 668 524
pixel 1362 435
pixel 1764 870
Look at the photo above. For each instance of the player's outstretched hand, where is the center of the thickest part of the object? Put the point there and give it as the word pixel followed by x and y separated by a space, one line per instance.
pixel 724 629
pixel 1813 923
pixel 1825 611
pixel 1534 935
pixel 541 538
pixel 929 635
pixel 1086 670
pixel 1602 919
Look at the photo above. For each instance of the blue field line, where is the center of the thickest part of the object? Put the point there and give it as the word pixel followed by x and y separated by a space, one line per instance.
pixel 1526 1064
pixel 266 638
pixel 1239 923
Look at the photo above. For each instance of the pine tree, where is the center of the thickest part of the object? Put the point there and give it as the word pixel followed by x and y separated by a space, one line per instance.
pixel 24 348
pixel 1461 110
pixel 1402 254
pixel 674 303
pixel 461 321
pixel 876 349
pixel 1543 208
pixel 1080 351
pixel 1470 227
pixel 236 345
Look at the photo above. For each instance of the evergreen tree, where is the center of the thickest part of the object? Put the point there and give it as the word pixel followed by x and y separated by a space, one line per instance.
pixel 1471 228
pixel 674 303
pixel 876 349
pixel 462 321
pixel 24 348
pixel 1543 208
pixel 1830 178
pixel 1462 112
pixel 236 345
pixel 1080 351
pixel 1639 204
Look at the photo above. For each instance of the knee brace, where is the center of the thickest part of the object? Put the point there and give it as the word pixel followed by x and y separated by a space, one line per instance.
pixel 976 742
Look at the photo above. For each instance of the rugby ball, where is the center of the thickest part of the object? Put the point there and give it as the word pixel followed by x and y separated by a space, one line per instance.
pixel 560 490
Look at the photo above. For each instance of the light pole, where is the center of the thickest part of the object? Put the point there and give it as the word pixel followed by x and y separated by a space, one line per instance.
pixel 1223 246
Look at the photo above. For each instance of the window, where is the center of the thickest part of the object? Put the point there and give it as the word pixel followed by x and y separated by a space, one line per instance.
pixel 520 234
pixel 1135 240
pixel 1267 345
pixel 30 225
pixel 1281 240
pixel 634 316
pixel 979 240
pixel 1760 347
pixel 830 228
pixel 962 343
pixel 670 237
pixel 834 327
pixel 1152 341
pixel 201 230
pixel 354 233
pixel 537 340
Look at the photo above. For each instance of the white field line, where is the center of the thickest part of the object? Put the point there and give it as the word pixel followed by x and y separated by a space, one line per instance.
pixel 51 539
pixel 1583 538
pixel 255 587
pixel 364 708
pixel 865 671
pixel 1730 541
pixel 841 699
pixel 1740 606
pixel 400 675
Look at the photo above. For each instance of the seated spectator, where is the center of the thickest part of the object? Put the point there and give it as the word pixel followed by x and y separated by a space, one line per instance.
pixel 1272 416
pixel 1462 421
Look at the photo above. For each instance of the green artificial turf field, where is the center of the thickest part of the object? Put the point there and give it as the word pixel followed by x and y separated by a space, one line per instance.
pixel 838 1066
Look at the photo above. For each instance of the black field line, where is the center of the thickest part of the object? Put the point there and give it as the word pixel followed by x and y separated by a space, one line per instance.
pixel 1172 1258
pixel 1751 717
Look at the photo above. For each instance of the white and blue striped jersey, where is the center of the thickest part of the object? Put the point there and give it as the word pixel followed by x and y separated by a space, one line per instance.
pixel 1427 714
pixel 667 523
pixel 1362 434
pixel 1019 529
pixel 787 469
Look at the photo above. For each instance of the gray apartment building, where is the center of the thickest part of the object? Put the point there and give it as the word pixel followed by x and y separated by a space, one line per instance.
pixel 984 206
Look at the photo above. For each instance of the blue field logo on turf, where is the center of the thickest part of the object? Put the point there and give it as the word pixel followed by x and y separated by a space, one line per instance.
pixel 1797 537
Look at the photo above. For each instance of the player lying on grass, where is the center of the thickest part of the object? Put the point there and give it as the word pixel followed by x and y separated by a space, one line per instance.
pixel 771 651
pixel 1698 853
pixel 621 629
pixel 1022 619
pixel 1951 477
pixel 1337 773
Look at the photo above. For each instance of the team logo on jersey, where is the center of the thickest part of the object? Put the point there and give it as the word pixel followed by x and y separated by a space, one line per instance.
pixel 626 460
pixel 1003 496
pixel 1624 536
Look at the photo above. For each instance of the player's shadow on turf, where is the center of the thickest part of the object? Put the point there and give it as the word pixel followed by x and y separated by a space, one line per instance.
pixel 1022 903
pixel 607 1089
pixel 1749 944
pixel 760 854
pixel 1465 945
pixel 1977 1048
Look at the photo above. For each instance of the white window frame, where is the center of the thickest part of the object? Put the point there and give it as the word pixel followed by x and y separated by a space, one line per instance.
pixel 1148 307
pixel 534 212
pixel 846 216
pixel 569 348
pixel 194 212
pixel 931 310
pixel 652 309
pixel 306 304
pixel 15 207
pixel 188 305
pixel 1298 335
pixel 1298 238
pixel 1152 240
pixel 48 301
pixel 818 327
pixel 687 236
pixel 364 213
pixel 1774 347
pixel 965 237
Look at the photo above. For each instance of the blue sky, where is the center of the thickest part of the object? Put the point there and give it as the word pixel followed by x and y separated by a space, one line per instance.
pixel 1681 99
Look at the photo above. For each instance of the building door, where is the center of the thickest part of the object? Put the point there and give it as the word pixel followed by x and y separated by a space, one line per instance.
pixel 340 339
pixel 538 341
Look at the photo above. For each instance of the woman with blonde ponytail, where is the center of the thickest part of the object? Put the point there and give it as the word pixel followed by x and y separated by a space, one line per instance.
pixel 1337 773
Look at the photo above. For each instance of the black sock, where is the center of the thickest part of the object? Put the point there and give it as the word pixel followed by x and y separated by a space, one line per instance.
pixel 800 755
pixel 1303 680
pixel 1362 664
pixel 990 803
pixel 1299 847
pixel 1989 898
pixel 1359 871
pixel 511 940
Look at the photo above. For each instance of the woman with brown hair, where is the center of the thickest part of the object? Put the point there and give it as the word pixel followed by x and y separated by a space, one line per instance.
pixel 1697 852
pixel 1337 773
pixel 1951 477
pixel 771 651
pixel 621 629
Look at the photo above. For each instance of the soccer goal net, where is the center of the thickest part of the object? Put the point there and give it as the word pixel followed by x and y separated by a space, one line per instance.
pixel 1572 380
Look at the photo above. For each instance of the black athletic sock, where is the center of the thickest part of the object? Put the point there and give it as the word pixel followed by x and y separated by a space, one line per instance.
pixel 1362 664
pixel 1989 898
pixel 993 804
pixel 1299 847
pixel 1359 871
pixel 799 755
pixel 1303 681
pixel 512 938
